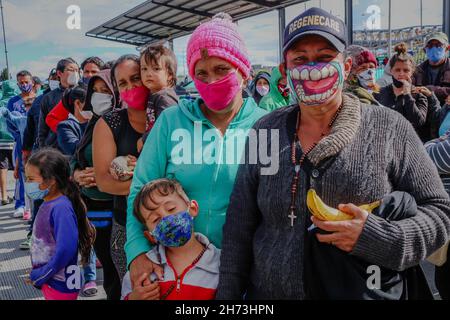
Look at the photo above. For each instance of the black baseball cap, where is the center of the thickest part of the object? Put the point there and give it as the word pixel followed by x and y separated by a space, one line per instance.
pixel 318 22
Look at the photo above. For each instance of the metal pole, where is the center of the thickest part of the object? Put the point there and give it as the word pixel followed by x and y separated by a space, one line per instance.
pixel 446 26
pixel 349 19
pixel 421 15
pixel 281 27
pixel 4 39
pixel 390 30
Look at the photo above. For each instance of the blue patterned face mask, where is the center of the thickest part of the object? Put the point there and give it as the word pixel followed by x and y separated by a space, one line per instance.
pixel 33 192
pixel 26 88
pixel 174 230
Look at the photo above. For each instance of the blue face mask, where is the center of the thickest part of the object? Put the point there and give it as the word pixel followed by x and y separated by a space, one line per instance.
pixel 435 54
pixel 26 88
pixel 174 230
pixel 85 80
pixel 33 192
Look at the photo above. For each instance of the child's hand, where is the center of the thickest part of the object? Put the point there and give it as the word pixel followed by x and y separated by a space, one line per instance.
pixel 448 100
pixel 145 290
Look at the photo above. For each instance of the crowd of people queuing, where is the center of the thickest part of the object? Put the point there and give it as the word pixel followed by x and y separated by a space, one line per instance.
pixel 102 179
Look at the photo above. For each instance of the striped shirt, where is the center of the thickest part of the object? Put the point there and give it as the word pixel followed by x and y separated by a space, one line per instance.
pixel 197 282
pixel 439 151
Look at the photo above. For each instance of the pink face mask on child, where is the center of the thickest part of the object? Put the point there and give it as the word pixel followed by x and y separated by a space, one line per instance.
pixel 219 94
pixel 136 98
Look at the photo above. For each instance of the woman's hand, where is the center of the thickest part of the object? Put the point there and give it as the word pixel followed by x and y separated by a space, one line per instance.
pixel 448 100
pixel 145 289
pixel 405 89
pixel 423 90
pixel 85 178
pixel 132 161
pixel 140 265
pixel 345 234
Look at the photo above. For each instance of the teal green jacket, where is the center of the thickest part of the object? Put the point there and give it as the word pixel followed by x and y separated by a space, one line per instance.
pixel 275 100
pixel 174 149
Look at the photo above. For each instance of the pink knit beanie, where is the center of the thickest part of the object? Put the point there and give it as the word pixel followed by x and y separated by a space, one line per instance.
pixel 220 37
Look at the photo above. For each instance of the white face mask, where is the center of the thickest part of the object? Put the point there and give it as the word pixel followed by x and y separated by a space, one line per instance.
pixel 53 84
pixel 73 78
pixel 101 103
pixel 86 114
pixel 367 78
pixel 262 90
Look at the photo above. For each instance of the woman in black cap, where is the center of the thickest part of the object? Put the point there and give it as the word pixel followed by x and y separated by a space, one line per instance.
pixel 349 154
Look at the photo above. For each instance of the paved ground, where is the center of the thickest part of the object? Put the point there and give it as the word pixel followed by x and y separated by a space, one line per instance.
pixel 15 263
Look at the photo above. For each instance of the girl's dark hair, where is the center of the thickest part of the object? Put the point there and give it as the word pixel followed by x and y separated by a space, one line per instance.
pixel 156 54
pixel 52 164
pixel 118 62
pixel 402 55
pixel 70 95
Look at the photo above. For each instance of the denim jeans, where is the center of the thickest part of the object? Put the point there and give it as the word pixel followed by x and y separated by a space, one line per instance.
pixel 90 271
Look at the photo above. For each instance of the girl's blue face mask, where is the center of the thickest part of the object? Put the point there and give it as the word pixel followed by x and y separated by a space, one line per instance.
pixel 435 54
pixel 174 230
pixel 33 192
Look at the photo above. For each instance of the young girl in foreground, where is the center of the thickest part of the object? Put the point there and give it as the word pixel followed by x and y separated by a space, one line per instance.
pixel 61 228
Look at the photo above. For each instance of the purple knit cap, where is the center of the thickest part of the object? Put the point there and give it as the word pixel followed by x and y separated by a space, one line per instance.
pixel 221 38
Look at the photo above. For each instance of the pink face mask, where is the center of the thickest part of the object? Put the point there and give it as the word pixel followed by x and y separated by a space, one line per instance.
pixel 136 98
pixel 218 95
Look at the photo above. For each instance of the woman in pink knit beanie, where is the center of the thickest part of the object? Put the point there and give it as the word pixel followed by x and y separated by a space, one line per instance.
pixel 219 65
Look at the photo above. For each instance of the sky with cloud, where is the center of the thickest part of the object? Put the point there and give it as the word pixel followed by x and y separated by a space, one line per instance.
pixel 38 37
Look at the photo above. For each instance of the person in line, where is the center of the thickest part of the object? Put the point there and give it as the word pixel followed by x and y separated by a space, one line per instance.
pixel 68 74
pixel 361 80
pixel 260 86
pixel 19 108
pixel 351 154
pixel 61 229
pixel 280 94
pixel 90 67
pixel 116 134
pixel 100 99
pixel 168 215
pixel 400 96
pixel 30 144
pixel 434 73
pixel 70 131
pixel 159 75
pixel 219 65
pixel 9 90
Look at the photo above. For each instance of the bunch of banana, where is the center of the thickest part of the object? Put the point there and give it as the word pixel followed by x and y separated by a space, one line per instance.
pixel 323 212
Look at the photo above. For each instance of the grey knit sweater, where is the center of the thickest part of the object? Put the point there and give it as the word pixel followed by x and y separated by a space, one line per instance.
pixel 370 152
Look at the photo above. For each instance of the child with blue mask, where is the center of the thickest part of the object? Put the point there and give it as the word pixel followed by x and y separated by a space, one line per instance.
pixel 189 262
pixel 61 230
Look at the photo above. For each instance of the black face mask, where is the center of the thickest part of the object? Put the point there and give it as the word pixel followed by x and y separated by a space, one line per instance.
pixel 397 84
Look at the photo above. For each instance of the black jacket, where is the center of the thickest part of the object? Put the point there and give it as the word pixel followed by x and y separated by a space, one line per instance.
pixel 441 87
pixel 413 107
pixel 46 137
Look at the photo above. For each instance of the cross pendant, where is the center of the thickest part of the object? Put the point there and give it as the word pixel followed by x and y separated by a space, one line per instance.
pixel 292 216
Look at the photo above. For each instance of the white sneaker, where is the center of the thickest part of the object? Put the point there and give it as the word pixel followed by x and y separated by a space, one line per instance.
pixel 19 212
